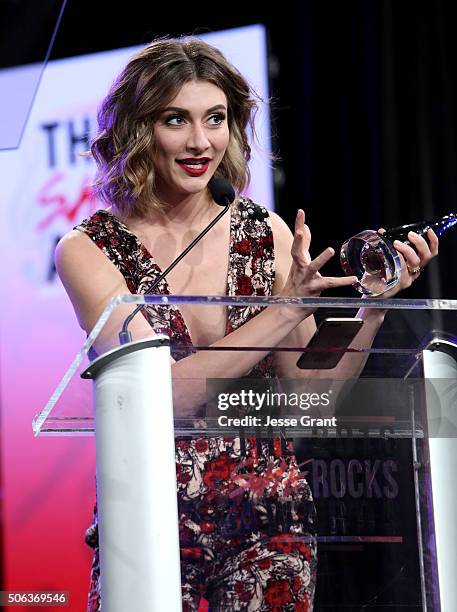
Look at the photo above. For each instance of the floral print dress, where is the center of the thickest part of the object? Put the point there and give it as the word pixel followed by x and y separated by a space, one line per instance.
pixel 246 515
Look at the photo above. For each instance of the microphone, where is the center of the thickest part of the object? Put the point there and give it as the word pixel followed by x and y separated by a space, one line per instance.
pixel 223 194
pixel 221 191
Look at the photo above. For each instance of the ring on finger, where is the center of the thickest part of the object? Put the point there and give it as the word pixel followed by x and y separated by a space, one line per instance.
pixel 416 270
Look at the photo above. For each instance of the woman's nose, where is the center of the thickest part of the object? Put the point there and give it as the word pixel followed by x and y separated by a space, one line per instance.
pixel 198 139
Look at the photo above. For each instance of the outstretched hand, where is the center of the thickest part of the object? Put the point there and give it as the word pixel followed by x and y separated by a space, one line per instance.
pixel 304 279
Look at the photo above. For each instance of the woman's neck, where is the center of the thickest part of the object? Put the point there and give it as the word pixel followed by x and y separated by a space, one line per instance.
pixel 191 211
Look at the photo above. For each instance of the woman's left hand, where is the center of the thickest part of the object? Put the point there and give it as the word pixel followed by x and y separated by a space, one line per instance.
pixel 413 260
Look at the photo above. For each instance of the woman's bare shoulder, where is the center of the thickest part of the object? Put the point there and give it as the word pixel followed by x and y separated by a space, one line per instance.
pixel 283 239
pixel 72 238
pixel 76 247
pixel 89 277
pixel 280 228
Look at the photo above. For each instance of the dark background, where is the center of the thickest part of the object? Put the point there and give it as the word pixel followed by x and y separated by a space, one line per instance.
pixel 364 100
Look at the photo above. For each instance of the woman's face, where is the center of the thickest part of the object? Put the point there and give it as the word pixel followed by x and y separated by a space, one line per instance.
pixel 190 139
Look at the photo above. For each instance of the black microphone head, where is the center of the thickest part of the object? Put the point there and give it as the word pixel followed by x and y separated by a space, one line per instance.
pixel 221 191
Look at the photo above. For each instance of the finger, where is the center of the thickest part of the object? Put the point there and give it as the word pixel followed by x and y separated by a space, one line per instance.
pixel 421 246
pixel 316 264
pixel 331 282
pixel 297 243
pixel 301 241
pixel 433 242
pixel 300 226
pixel 381 230
pixel 299 220
pixel 410 255
pixel 307 236
pixel 298 249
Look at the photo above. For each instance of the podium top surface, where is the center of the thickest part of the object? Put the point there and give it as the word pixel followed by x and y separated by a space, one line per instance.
pixel 406 328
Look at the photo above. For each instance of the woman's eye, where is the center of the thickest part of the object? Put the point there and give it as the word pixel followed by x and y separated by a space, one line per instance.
pixel 174 120
pixel 217 119
pixel 213 120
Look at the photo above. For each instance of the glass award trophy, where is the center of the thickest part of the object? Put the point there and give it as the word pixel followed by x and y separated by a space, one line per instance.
pixel 372 257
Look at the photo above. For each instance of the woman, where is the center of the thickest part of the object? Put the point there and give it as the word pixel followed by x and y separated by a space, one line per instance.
pixel 177 116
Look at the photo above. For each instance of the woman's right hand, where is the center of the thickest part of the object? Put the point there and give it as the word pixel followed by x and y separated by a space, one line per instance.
pixel 304 278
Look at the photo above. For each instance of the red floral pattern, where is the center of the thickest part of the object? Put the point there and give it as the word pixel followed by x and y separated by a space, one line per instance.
pixel 278 593
pixel 237 547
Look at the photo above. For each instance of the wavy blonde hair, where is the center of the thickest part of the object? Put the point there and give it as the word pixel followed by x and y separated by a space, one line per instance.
pixel 125 175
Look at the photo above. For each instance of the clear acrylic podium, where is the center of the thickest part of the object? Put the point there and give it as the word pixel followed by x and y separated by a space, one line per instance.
pixel 379 453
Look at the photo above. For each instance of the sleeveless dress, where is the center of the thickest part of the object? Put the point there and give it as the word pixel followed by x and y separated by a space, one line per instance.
pixel 246 514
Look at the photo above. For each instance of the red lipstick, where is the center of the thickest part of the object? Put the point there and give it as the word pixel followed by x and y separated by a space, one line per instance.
pixel 194 166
